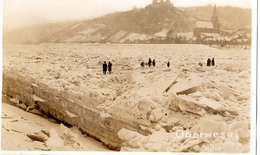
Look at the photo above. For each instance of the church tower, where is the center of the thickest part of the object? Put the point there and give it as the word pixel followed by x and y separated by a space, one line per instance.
pixel 214 19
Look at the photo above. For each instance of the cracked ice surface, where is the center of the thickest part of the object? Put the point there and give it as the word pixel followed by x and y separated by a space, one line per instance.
pixel 220 101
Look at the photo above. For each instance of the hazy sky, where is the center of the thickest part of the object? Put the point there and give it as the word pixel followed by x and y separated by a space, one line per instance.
pixel 17 13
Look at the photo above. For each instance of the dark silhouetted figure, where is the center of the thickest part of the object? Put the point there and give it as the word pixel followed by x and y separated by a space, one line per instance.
pixel 142 63
pixel 109 67
pixel 154 62
pixel 213 62
pixel 208 62
pixel 168 64
pixel 149 62
pixel 105 67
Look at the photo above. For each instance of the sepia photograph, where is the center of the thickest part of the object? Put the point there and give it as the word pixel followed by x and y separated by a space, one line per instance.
pixel 120 76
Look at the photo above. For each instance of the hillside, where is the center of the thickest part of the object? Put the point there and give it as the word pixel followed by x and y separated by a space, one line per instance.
pixel 135 24
pixel 229 17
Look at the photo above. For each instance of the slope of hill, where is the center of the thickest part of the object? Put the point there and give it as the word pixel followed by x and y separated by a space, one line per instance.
pixel 229 17
pixel 34 34
pixel 140 23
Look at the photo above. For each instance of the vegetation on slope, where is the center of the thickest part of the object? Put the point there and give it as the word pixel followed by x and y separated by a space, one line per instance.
pixel 148 20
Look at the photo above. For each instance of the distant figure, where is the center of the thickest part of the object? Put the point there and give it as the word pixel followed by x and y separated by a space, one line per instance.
pixel 213 62
pixel 154 62
pixel 149 62
pixel 168 64
pixel 142 63
pixel 109 67
pixel 208 62
pixel 200 64
pixel 105 67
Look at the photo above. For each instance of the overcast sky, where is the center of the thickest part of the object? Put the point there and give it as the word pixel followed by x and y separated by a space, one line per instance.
pixel 17 13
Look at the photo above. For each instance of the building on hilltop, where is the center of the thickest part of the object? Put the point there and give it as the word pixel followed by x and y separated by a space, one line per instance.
pixel 156 2
pixel 208 28
pixel 161 4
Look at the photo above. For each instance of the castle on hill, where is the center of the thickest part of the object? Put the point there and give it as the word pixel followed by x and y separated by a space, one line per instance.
pixel 161 1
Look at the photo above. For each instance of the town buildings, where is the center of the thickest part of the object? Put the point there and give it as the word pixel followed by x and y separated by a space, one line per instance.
pixel 207 28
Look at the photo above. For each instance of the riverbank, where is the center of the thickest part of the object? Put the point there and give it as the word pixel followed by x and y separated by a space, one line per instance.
pixel 17 124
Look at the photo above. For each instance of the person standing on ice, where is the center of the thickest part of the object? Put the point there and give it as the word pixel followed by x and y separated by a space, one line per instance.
pixel 105 67
pixel 168 64
pixel 154 62
pixel 109 67
pixel 213 62
pixel 142 63
pixel 149 62
pixel 208 62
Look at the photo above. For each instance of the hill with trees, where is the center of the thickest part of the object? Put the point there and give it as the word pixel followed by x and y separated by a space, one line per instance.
pixel 144 22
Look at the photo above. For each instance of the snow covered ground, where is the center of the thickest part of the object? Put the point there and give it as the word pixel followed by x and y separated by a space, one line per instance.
pixel 219 105
pixel 20 130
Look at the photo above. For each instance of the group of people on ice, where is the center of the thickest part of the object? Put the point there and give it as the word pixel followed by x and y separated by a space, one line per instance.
pixel 150 62
pixel 107 67
pixel 210 62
